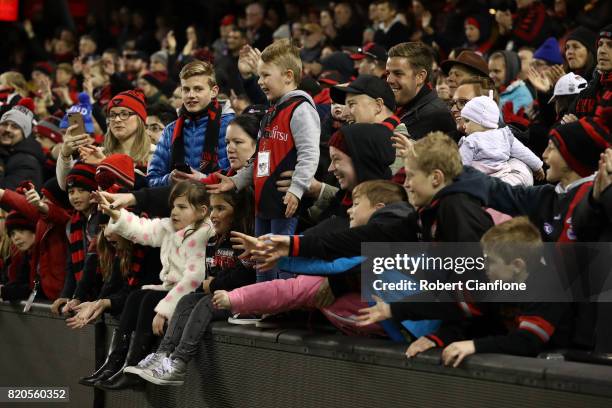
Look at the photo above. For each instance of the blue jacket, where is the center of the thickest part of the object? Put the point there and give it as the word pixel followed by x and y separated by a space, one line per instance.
pixel 158 173
pixel 518 94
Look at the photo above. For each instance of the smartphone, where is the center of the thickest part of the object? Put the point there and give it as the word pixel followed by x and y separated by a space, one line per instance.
pixel 75 118
pixel 183 167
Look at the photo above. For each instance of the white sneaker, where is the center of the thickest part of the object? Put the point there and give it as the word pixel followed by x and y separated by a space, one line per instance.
pixel 149 361
pixel 243 319
pixel 169 372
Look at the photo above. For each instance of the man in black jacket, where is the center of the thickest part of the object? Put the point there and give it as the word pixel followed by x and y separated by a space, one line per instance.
pixel 419 108
pixel 22 156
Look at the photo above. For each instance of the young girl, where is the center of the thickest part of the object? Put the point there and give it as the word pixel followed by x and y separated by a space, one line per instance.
pixel 20 280
pixel 125 268
pixel 194 312
pixel 182 239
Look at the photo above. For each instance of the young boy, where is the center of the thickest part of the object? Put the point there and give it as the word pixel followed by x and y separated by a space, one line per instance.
pixel 376 202
pixel 193 145
pixel 449 200
pixel 288 140
pixel 82 228
pixel 488 148
pixel 534 325
pixel 572 157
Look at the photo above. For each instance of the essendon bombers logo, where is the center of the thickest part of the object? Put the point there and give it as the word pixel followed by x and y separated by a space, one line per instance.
pixel 117 101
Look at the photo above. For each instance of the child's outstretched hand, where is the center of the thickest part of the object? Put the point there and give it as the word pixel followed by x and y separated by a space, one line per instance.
pixel 276 246
pixel 455 352
pixel 221 300
pixel 117 201
pixel 374 314
pixel 539 175
pixel 105 206
pixel 34 199
pixel 246 243
pixel 292 202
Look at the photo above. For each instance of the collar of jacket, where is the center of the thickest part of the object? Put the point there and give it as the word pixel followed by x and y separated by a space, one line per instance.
pixel 560 190
pixel 423 97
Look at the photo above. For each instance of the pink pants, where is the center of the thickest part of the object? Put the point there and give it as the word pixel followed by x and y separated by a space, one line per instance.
pixel 281 295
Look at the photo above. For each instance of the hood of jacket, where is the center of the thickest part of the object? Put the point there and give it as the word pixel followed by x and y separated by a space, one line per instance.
pixel 471 182
pixel 513 66
pixel 392 212
pixel 295 92
pixel 371 150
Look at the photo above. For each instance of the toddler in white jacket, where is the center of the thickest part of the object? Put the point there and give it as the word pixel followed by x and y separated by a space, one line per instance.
pixel 489 148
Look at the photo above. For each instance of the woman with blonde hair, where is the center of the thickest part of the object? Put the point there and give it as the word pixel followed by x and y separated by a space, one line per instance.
pixel 13 83
pixel 126 117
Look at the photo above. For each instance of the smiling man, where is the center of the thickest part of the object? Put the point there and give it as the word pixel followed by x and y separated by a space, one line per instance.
pixel 419 107
pixel 193 145
pixel 21 155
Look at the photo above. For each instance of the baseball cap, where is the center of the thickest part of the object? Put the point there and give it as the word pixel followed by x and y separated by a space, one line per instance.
pixel 369 85
pixel 569 84
pixel 371 50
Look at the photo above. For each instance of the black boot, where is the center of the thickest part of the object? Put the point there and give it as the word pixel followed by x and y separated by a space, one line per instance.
pixel 117 351
pixel 139 348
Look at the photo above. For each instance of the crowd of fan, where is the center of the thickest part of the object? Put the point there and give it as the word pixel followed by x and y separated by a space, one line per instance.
pixel 136 179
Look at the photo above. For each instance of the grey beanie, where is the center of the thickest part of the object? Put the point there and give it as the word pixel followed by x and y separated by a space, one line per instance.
pixel 22 117
pixel 161 56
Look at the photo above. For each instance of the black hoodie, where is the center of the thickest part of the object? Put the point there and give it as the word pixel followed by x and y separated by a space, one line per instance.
pixel 372 152
pixel 23 161
pixel 456 211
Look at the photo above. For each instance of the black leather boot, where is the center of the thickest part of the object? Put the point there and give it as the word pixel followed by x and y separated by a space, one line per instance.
pixel 140 346
pixel 117 351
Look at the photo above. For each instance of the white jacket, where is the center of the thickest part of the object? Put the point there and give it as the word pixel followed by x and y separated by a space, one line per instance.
pixel 183 260
pixel 493 148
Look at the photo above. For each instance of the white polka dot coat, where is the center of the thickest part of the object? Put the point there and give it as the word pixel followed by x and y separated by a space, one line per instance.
pixel 183 260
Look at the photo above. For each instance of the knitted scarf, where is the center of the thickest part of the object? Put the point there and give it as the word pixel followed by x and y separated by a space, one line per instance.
pixel 209 163
pixel 76 244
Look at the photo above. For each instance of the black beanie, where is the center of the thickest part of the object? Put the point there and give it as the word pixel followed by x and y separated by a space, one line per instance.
pixel 585 37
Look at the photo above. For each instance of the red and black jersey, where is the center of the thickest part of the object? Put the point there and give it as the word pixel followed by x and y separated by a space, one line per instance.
pixel 277 145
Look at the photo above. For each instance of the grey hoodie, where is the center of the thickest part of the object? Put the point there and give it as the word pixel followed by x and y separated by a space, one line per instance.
pixel 306 129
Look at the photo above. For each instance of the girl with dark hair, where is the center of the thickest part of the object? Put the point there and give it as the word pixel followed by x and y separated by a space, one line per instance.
pixel 182 239
pixel 194 312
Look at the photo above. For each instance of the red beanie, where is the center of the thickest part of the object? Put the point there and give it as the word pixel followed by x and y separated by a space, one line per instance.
pixel 339 142
pixel 472 21
pixel 116 170
pixel 133 99
pixel 16 220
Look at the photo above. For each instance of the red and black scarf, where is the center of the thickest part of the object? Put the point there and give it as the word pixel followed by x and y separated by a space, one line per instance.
pixel 77 243
pixel 210 161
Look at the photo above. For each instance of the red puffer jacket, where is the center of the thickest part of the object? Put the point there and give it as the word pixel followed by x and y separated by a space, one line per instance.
pixel 51 245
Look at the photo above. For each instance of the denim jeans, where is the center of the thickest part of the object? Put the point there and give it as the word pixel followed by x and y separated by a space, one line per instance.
pixel 190 320
pixel 277 226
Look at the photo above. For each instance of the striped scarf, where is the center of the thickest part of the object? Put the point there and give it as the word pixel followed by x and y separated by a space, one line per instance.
pixel 77 243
